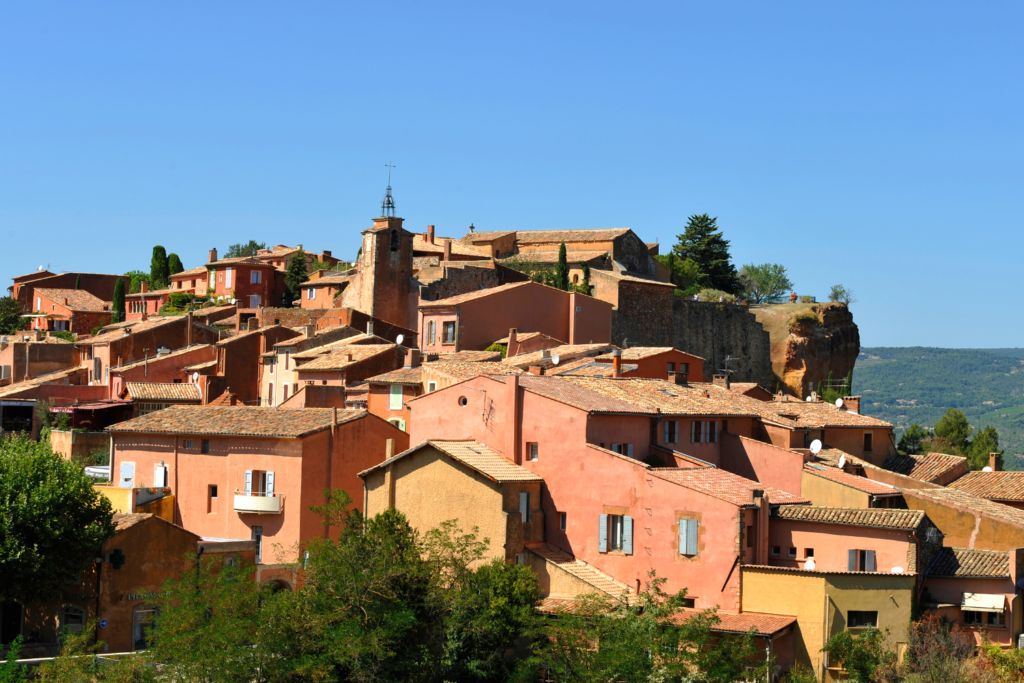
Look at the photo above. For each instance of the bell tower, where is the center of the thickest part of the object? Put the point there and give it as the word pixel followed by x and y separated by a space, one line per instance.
pixel 386 266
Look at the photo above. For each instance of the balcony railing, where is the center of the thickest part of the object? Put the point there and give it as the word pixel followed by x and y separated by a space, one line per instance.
pixel 259 503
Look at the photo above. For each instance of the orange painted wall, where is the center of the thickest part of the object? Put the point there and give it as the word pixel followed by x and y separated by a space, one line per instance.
pixel 323 297
pixel 763 462
pixel 951 591
pixel 831 542
pixel 656 367
pixel 379 402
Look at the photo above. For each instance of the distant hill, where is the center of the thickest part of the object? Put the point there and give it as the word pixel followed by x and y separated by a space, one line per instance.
pixel 917 384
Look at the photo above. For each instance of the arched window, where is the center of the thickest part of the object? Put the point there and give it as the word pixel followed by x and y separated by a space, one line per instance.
pixel 395 246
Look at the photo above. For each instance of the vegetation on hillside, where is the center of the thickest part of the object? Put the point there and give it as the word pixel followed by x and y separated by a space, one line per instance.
pixel 248 249
pixel 10 315
pixel 767 283
pixel 702 242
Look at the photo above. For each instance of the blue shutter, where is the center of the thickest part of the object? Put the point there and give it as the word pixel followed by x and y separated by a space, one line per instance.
pixel 869 564
pixel 851 560
pixel 627 535
pixel 691 537
pixel 602 534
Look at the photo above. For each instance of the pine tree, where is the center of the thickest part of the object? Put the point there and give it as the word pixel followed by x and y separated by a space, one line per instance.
pixel 174 265
pixel 702 242
pixel 295 276
pixel 158 270
pixel 118 304
pixel 562 270
pixel 78 282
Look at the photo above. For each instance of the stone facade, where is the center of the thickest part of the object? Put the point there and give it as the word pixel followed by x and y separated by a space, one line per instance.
pixel 715 331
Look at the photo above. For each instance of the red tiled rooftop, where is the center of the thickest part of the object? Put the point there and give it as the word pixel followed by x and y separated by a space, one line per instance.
pixel 458 248
pixel 77 299
pixel 992 485
pixel 761 624
pixel 556 237
pixel 345 356
pixel 280 423
pixel 473 454
pixel 153 391
pixel 462 370
pixel 565 353
pixel 962 499
pixel 473 296
pixel 882 518
pixel 723 485
pixel 401 376
pixel 963 563
pixel 642 352
pixel 875 488
pixel 930 467
pixel 817 414
pixel 669 398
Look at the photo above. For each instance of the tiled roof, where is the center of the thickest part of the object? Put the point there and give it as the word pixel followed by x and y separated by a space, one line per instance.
pixel 78 299
pixel 49 378
pixel 332 280
pixel 801 570
pixel 152 359
pixel 136 327
pixel 345 357
pixel 470 357
pixel 563 390
pixel 485 235
pixel 762 624
pixel 187 274
pixel 461 370
pixel 962 562
pixel 473 454
pixel 669 398
pixel 419 243
pixel 590 575
pixel 630 278
pixel 832 456
pixel 479 294
pixel 552 256
pixel 126 520
pixel 558 236
pixel 201 366
pixel 235 421
pixel 401 376
pixel 332 346
pixel 237 260
pixel 817 414
pixel 587 367
pixel 875 488
pixel 882 518
pixel 931 467
pixel 140 391
pixel 151 292
pixel 983 506
pixel 520 336
pixel 641 352
pixel 723 485
pixel 992 485
pixel 565 353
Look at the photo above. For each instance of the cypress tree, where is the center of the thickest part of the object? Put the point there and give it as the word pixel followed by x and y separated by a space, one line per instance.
pixel 702 242
pixel 78 282
pixel 584 288
pixel 295 276
pixel 118 304
pixel 174 265
pixel 158 270
pixel 562 270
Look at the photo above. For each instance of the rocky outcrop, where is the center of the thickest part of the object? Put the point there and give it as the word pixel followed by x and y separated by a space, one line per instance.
pixel 807 342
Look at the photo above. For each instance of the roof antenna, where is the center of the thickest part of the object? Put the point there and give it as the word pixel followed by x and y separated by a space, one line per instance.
pixel 387 207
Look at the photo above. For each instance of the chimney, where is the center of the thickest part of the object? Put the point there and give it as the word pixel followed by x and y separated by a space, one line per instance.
pixel 188 329
pixel 535 370
pixel 448 250
pixel 145 286
pixel 814 396
pixel 325 254
pixel 66 300
pixel 706 394
pixel 993 461
pixel 512 424
pixel 369 327
pixel 852 404
pixel 412 358
pixel 389 449
pixel 545 353
pixel 678 378
pixel 334 417
pixel 213 256
pixel 617 363
pixel 310 330
pixel 348 357
pixel 721 381
pixel 430 234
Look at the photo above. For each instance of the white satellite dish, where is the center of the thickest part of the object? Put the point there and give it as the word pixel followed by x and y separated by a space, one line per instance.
pixel 986 469
pixel 554 359
pixel 809 399
pixel 399 339
pixel 816 446
pixel 809 564
pixel 195 376
pixel 842 461
pixel 839 403
pixel 897 570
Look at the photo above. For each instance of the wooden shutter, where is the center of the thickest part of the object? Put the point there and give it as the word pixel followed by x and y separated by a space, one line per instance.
pixel 869 562
pixel 248 482
pixel 704 432
pixel 691 537
pixel 627 535
pixel 524 506
pixel 270 483
pixel 629 449
pixel 851 560
pixel 602 534
pixel 396 397
pixel 667 423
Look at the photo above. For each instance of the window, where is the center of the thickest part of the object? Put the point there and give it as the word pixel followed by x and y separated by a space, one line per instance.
pixel 284 393
pixel 270 394
pixel 688 530
pixel 524 506
pixel 792 553
pixel 973 618
pixel 287 358
pixel 310 293
pixel 750 537
pixel 861 619
pixel 257 535
pixel 711 430
pixel 431 328
pixel 561 521
pixel 449 332
pixel 143 623
pixel 867 442
pixel 997 619
pixel 671 431
pixel 205 447
pixel 615 534
pixel 399 424
pixel 159 476
pixel 395 244
pixel 808 553
pixel 521 559
pixel 188 443
pixel 396 397
pixel 72 619
pixel 671 367
pixel 776 550
pixel 211 497
pixel 532 452
pixel 725 426
pixel 860 560
pixel 623 448
pixel 259 483
pixel 256 277
pixel 431 386
pixel 696 431
pixel 127 475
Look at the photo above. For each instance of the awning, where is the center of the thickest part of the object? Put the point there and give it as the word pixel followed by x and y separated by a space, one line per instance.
pixel 982 602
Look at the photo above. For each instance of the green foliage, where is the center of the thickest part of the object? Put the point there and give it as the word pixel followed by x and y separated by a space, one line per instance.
pixel 584 287
pixel 174 266
pixel 137 278
pixel 159 273
pixel 801 674
pixel 78 663
pixel 715 295
pixel 1009 664
pixel 562 270
pixel 294 277
pixel 52 520
pixel 78 281
pixel 703 243
pixel 767 283
pixel 984 443
pixel 859 654
pixel 65 335
pixel 841 294
pixel 501 348
pixel 180 302
pixel 10 316
pixel 684 274
pixel 954 429
pixel 910 442
pixel 11 671
pixel 319 264
pixel 117 309
pixel 249 249
pixel 831 390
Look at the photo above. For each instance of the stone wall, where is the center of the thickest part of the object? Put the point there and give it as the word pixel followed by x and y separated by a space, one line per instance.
pixel 643 315
pixel 716 331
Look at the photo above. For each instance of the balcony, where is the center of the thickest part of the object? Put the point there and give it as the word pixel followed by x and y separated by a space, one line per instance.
pixel 259 503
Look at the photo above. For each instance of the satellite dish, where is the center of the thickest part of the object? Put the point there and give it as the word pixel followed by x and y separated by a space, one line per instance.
pixel 809 564
pixel 399 339
pixel 810 398
pixel 842 461
pixel 897 570
pixel 195 376
pixel 986 469
pixel 554 359
pixel 839 403
pixel 816 446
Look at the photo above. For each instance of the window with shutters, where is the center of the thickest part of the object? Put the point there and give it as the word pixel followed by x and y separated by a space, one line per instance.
pixel 524 506
pixel 861 619
pixel 396 397
pixel 688 532
pixel 671 431
pixel 711 432
pixel 615 534
pixel 860 560
pixel 449 333
pixel 256 277
pixel 431 386
pixel 532 452
pixel 431 330
pixel 72 619
pixel 695 431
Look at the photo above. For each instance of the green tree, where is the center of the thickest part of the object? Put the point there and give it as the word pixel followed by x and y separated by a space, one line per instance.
pixel 684 273
pixel 766 283
pixel 78 282
pixel 840 294
pixel 294 276
pixel 137 277
pixel 11 671
pixel 10 315
pixel 174 265
pixel 52 520
pixel 117 308
pixel 562 270
pixel 158 269
pixel 78 663
pixel 584 287
pixel 954 429
pixel 861 655
pixel 703 243
pixel 984 443
pixel 250 249
pixel 910 441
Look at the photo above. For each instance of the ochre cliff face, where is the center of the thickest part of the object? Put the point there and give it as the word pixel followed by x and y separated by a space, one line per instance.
pixel 804 351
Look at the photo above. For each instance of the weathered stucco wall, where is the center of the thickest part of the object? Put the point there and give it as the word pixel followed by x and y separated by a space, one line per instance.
pixel 715 331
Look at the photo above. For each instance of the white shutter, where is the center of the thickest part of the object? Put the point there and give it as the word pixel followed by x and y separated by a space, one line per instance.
pixel 602 534
pixel 227 278
pixel 159 476
pixel 127 474
pixel 627 535
pixel 270 483
pixel 691 537
pixel 248 482
pixel 682 536
pixel 401 425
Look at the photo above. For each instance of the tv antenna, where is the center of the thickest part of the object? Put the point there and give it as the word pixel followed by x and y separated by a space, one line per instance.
pixel 727 370
pixel 387 207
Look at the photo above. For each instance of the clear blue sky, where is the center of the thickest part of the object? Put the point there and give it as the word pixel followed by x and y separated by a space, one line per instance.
pixel 879 146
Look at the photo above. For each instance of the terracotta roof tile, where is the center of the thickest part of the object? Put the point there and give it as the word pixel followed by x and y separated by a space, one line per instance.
pixel 875 488
pixel 963 563
pixel 470 357
pixel 78 299
pixel 520 336
pixel 587 367
pixel 479 294
pixel 556 237
pixel 49 378
pixel 186 274
pixel 817 414
pixel 669 398
pixel 400 376
pixel 565 353
pixel 551 256
pixel 467 370
pixel 248 260
pixel 201 366
pixel 329 280
pixel 931 467
pixel 136 326
pixel 332 346
pixel 153 359
pixel 141 295
pixel 473 454
pixel 642 352
pixel 235 421
pixel 140 391
pixel 723 485
pixel 419 243
pixel 126 520
pixel 563 390
pixel 630 278
pixel 800 570
pixel 344 357
pixel 587 573
pixel 881 518
pixel 992 485
pixel 983 506
pixel 762 624
pixel 485 235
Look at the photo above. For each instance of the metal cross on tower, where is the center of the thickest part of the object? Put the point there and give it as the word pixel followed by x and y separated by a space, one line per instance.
pixel 387 207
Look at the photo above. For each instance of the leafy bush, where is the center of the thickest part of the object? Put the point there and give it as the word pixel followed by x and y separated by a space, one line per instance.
pixel 806 299
pixel 65 335
pixel 840 294
pixel 716 295
pixel 501 348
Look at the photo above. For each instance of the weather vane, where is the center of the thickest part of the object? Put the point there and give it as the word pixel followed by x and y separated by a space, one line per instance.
pixel 387 207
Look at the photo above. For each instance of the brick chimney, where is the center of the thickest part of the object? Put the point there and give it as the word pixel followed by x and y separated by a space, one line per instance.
pixel 993 461
pixel 145 286
pixel 430 234
pixel 447 250
pixel 852 404
pixel 325 254
pixel 213 256
pixel 513 343
pixel 412 358
pixel 720 381
pixel 617 363
pixel 310 330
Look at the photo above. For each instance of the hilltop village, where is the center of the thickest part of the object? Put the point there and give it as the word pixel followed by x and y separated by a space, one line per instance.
pixel 432 377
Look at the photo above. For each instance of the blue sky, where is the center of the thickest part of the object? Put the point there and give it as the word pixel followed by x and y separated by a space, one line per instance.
pixel 878 146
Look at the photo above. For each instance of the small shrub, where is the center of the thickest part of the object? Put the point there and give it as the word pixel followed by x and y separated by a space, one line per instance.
pixel 802 320
pixel 806 299
pixel 801 674
pixel 716 295
pixel 65 335
pixel 498 347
